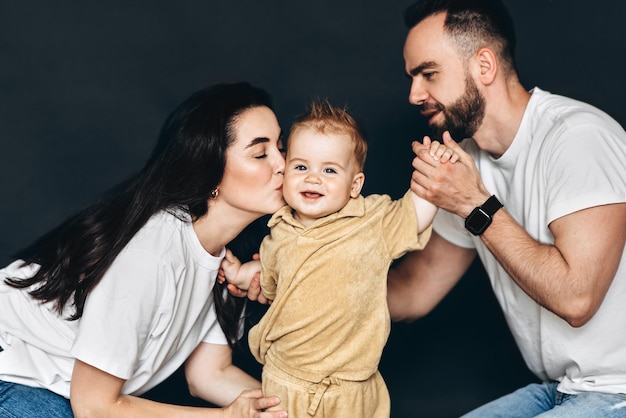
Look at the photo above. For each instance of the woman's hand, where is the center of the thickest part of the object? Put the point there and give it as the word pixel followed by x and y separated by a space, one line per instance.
pixel 95 393
pixel 251 403
pixel 254 291
pixel 212 376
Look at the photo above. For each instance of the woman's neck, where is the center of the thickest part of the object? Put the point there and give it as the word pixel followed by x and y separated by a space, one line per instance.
pixel 218 227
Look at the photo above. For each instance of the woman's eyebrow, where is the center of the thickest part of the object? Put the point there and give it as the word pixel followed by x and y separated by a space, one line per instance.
pixel 259 140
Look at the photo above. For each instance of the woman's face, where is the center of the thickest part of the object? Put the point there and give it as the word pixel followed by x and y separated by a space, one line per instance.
pixel 253 176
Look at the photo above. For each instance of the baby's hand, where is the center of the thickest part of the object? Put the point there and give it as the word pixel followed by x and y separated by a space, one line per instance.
pixel 237 274
pixel 246 273
pixel 229 268
pixel 439 151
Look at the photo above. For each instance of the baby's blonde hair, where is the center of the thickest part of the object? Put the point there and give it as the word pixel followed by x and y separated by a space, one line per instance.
pixel 323 117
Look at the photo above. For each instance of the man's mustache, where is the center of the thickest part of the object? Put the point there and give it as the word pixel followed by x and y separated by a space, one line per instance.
pixel 428 107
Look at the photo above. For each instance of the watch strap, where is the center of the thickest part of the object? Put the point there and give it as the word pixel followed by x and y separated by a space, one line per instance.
pixel 491 205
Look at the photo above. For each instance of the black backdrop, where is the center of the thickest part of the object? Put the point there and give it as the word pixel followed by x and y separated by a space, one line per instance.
pixel 84 87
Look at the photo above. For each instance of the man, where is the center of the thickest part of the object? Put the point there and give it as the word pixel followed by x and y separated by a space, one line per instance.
pixel 554 252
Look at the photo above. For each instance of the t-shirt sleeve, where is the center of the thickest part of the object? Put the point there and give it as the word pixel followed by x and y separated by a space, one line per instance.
pixel 585 166
pixel 400 227
pixel 215 335
pixel 121 312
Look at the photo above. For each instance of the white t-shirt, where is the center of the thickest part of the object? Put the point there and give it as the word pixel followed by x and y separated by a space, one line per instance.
pixel 151 309
pixel 566 156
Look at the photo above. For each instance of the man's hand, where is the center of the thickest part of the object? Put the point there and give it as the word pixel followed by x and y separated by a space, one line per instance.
pixel 456 187
pixel 439 151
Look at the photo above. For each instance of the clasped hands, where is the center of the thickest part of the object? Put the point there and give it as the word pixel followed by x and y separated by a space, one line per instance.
pixel 455 187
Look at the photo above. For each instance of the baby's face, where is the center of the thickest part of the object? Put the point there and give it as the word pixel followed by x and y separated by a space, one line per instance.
pixel 321 174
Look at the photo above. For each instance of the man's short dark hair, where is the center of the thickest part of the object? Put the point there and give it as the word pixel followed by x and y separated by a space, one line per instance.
pixel 472 24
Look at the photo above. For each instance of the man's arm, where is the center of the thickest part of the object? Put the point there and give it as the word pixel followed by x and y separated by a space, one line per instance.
pixel 423 278
pixel 570 277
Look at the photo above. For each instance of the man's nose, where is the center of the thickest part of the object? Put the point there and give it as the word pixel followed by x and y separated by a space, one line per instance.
pixel 417 93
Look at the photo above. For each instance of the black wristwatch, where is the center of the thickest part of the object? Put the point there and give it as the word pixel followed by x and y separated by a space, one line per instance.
pixel 480 218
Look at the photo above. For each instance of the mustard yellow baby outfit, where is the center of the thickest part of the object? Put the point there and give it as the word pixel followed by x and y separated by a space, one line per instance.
pixel 322 338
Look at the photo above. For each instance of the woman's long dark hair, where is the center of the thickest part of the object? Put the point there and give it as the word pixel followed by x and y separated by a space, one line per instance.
pixel 185 166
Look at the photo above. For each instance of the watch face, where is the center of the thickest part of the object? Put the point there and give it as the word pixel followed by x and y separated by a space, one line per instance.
pixel 477 221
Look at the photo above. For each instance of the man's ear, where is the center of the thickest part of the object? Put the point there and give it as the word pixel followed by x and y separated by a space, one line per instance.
pixel 357 185
pixel 487 65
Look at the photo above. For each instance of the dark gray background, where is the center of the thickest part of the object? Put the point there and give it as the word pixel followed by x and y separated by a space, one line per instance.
pixel 84 87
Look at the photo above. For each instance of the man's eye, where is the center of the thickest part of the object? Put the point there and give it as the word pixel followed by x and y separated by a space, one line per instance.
pixel 429 75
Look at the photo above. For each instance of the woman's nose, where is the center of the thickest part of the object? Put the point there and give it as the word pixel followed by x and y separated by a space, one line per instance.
pixel 279 164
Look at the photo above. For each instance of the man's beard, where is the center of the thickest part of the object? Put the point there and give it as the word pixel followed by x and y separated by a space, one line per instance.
pixel 464 116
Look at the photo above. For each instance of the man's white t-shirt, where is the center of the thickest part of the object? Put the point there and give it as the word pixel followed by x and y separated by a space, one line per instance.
pixel 151 309
pixel 566 156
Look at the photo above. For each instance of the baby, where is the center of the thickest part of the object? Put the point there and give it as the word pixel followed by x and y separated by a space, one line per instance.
pixel 324 265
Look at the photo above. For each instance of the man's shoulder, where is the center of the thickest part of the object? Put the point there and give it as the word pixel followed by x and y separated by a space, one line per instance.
pixel 545 105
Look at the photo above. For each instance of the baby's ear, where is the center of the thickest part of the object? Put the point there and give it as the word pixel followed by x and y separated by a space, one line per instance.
pixel 357 185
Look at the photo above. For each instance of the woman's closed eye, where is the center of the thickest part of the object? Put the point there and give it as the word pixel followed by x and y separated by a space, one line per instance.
pixel 258 151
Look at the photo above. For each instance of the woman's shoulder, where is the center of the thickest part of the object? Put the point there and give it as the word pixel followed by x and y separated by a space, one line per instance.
pixel 163 231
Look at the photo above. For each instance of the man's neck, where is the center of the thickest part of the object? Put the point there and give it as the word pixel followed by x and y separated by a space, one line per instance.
pixel 504 111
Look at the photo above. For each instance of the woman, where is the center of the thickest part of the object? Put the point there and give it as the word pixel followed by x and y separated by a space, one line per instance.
pixel 111 302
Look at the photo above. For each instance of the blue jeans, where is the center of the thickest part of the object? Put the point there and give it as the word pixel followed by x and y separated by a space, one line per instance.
pixel 20 401
pixel 544 401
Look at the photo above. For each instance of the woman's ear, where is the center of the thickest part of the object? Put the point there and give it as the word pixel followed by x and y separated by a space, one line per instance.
pixel 357 185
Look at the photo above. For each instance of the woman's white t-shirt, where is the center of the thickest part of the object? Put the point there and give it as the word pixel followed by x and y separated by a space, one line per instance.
pixel 151 309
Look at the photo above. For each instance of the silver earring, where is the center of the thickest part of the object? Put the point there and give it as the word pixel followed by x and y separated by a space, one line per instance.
pixel 214 193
